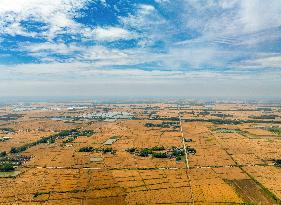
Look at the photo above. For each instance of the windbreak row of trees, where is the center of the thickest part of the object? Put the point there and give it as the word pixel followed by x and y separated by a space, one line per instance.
pixel 232 122
pixel 73 133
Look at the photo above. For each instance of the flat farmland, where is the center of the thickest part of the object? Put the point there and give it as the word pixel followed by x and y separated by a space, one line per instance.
pixel 141 154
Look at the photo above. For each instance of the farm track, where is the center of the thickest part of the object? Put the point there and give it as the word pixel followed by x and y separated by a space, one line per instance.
pixel 187 167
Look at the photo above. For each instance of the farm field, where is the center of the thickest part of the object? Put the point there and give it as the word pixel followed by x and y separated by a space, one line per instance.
pixel 168 153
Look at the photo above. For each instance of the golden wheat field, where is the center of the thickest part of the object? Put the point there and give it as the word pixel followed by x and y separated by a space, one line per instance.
pixel 141 154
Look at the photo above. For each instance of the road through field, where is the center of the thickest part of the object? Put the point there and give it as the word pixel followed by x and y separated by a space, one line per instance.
pixel 186 158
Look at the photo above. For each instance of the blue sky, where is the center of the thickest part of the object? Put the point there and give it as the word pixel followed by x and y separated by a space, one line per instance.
pixel 140 47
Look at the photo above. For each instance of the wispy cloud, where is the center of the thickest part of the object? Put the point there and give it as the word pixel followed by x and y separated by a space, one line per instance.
pixel 110 34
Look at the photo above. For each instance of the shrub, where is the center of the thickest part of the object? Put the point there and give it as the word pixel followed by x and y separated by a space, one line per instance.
pixel 3 154
pixel 178 158
pixel 37 194
pixel 178 152
pixel 191 151
pixel 6 129
pixel 14 150
pixel 86 149
pixel 149 125
pixel 131 150
pixel 6 167
pixel 276 130
pixel 145 152
pixel 70 139
pixel 51 141
pixel 159 155
pixel 66 133
pixel 19 149
pixel 278 162
pixel 107 150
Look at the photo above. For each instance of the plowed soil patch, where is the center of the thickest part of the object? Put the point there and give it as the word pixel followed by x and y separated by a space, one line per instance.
pixel 250 192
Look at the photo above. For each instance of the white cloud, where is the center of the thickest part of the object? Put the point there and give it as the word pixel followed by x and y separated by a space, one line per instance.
pixel 162 1
pixel 57 15
pixel 98 55
pixel 152 25
pixel 215 36
pixel 112 34
pixel 52 48
pixel 257 15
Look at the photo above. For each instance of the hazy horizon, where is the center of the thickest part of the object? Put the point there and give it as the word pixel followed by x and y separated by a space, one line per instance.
pixel 136 99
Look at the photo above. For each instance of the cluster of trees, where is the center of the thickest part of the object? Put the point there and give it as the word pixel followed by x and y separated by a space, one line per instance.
pixel 221 115
pixel 6 167
pixel 11 116
pixel 275 129
pixel 13 160
pixel 216 121
pixel 92 149
pixel 165 124
pixel 148 151
pixel 159 155
pixel 86 149
pixel 166 118
pixel 7 130
pixel 70 139
pixel 145 152
pixel 264 109
pixel 178 152
pixel 264 117
pixel 158 152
